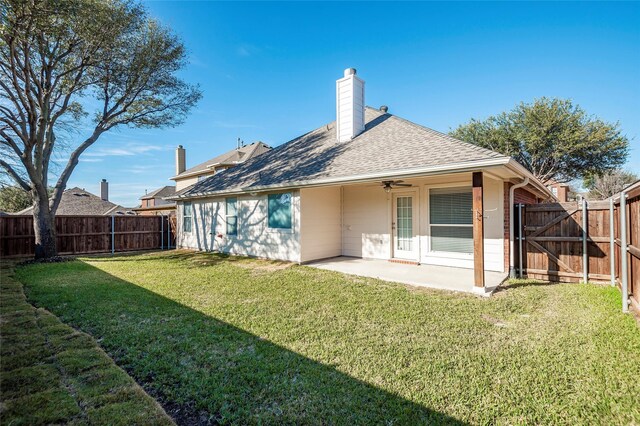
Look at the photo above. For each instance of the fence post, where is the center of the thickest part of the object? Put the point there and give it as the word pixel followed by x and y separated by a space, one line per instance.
pixel 623 251
pixel 113 234
pixel 520 224
pixel 585 248
pixel 161 232
pixel 168 233
pixel 612 242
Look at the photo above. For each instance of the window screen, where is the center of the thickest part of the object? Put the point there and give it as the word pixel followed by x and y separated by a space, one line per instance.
pixel 232 216
pixel 279 210
pixel 187 217
pixel 451 219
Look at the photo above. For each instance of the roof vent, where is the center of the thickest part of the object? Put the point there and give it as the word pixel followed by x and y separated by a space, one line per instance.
pixel 384 108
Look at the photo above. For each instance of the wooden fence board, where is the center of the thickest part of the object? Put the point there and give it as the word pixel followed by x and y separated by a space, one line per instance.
pixel 87 234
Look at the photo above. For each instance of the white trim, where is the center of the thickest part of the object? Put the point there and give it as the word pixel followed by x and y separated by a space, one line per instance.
pixel 415 194
pixel 443 254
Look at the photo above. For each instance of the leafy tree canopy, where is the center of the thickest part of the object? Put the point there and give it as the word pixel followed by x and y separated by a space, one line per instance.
pixel 69 65
pixel 553 138
pixel 13 199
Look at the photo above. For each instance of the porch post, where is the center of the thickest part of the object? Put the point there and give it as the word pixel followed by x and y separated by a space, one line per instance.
pixel 478 230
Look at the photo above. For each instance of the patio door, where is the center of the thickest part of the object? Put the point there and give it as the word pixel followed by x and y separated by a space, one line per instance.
pixel 405 245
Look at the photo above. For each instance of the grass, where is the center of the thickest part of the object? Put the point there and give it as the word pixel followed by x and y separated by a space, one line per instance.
pixel 230 340
pixel 52 374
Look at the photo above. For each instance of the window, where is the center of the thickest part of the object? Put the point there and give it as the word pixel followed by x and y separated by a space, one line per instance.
pixel 202 177
pixel 279 210
pixel 187 214
pixel 231 215
pixel 451 220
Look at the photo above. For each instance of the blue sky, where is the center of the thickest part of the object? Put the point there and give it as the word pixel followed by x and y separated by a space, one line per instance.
pixel 268 71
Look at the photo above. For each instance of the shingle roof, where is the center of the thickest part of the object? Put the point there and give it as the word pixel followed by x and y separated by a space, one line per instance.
pixel 165 191
pixel 387 144
pixel 77 201
pixel 232 157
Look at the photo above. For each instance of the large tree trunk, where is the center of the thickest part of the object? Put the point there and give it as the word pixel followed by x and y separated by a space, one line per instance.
pixel 44 227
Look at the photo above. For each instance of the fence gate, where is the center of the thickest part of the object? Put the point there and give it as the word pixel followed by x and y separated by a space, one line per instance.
pixel 572 242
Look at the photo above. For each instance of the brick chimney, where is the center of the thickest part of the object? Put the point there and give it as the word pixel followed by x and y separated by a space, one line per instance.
pixel 181 160
pixel 104 190
pixel 349 106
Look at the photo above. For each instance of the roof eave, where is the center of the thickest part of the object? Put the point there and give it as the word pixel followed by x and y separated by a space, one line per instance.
pixel 519 169
pixel 404 173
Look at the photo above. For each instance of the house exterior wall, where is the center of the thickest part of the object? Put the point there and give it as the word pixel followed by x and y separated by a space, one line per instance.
pixel 366 222
pixel 320 223
pixel 185 182
pixel 254 237
pixel 353 220
pixel 367 213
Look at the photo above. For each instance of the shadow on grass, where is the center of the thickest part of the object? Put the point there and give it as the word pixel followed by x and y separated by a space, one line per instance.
pixel 516 283
pixel 206 371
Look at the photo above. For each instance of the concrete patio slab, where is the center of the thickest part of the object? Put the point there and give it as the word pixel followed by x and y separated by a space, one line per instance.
pixel 431 276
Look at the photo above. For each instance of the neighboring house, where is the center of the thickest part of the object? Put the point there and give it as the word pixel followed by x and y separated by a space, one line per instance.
pixel 188 177
pixel 78 202
pixel 369 185
pixel 154 203
pixel 561 191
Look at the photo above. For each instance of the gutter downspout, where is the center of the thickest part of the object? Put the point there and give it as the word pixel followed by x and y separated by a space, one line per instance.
pixel 512 190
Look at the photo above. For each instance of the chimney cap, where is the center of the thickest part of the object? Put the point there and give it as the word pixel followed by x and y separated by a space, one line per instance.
pixel 104 180
pixel 180 146
pixel 384 108
pixel 350 71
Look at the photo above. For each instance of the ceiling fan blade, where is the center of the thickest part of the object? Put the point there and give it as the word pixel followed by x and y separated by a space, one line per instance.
pixel 402 184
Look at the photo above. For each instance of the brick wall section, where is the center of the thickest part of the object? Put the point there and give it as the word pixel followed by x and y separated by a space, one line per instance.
pixel 520 196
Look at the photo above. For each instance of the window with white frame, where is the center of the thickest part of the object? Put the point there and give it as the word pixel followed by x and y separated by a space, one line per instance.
pixel 451 220
pixel 231 216
pixel 187 217
pixel 279 210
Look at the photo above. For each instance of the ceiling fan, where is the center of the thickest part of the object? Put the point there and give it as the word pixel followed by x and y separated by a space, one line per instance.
pixel 389 184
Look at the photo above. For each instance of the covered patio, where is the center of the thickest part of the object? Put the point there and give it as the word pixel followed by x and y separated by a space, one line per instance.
pixel 430 276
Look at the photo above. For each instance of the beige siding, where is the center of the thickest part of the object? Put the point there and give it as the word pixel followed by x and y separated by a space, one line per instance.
pixel 320 235
pixel 254 237
pixel 366 223
pixel 185 182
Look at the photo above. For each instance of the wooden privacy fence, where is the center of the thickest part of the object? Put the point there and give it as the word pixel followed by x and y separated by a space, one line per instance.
pixel 583 242
pixel 89 234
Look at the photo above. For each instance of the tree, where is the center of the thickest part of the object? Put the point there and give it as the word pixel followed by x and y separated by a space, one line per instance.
pixel 13 199
pixel 553 138
pixel 60 59
pixel 609 184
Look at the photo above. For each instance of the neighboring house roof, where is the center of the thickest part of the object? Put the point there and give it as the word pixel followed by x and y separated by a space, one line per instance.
pixel 231 158
pixel 77 201
pixel 388 144
pixel 165 191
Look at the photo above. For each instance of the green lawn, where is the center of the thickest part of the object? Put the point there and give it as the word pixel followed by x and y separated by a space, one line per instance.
pixel 53 374
pixel 235 340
